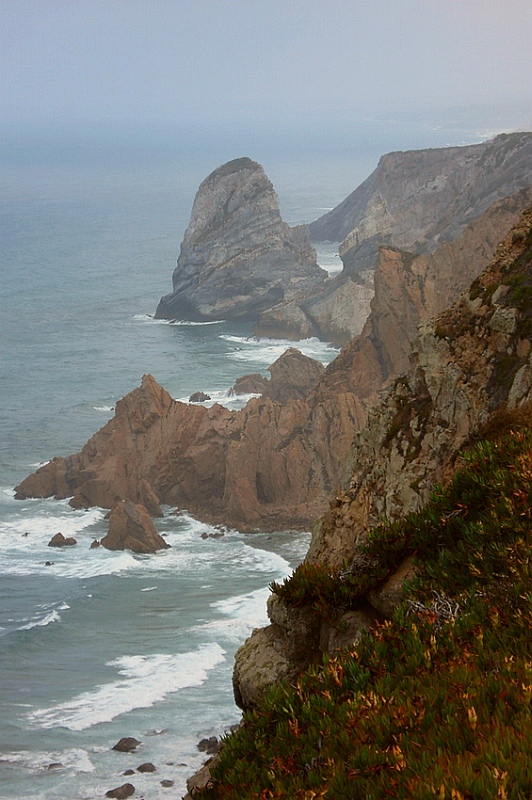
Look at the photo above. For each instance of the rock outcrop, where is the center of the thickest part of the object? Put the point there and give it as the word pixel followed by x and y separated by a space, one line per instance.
pixel 238 257
pixel 131 528
pixel 414 201
pixel 468 362
pixel 275 463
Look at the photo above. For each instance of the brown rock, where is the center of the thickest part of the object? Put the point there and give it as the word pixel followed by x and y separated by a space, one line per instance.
pixel 131 528
pixel 128 744
pixel 387 597
pixel 121 792
pixel 274 465
pixel 293 375
pixel 253 383
pixel 147 767
pixel 60 541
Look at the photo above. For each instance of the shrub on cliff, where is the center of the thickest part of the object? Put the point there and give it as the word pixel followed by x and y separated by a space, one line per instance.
pixel 437 702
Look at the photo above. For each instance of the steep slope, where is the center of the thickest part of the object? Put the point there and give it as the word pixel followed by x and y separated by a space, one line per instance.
pixel 238 257
pixel 468 362
pixel 275 463
pixel 417 199
pixel 434 701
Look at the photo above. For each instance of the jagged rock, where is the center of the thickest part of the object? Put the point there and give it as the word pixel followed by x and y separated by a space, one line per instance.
pixel 463 369
pixel 411 289
pixel 61 541
pixel 128 744
pixel 254 383
pixel 131 528
pixel 199 397
pixel 167 784
pixel 293 375
pixel 238 257
pixel 121 792
pixel 270 465
pixel 94 544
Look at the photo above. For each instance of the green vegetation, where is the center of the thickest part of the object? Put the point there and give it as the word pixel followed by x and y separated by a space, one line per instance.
pixel 437 702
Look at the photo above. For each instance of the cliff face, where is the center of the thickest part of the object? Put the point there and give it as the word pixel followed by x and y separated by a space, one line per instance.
pixel 238 257
pixel 467 362
pixel 275 463
pixel 269 466
pixel 418 199
pixel 414 201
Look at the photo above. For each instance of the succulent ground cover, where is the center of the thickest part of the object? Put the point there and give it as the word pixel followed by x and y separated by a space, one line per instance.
pixel 435 703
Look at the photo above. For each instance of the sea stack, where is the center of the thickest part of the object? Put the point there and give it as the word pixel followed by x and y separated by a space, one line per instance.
pixel 238 258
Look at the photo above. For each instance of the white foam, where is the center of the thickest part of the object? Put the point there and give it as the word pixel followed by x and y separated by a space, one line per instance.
pixel 149 589
pixel 73 758
pixel 145 680
pixel 52 616
pixel 106 409
pixel 152 320
pixel 266 351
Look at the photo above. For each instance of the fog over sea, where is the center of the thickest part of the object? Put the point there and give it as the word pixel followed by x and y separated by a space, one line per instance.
pixel 98 645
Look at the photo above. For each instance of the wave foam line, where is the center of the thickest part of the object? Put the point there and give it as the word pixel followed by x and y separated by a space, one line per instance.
pixel 145 680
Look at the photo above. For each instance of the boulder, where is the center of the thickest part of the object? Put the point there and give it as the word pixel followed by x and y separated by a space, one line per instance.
pixel 121 792
pixel 128 744
pixel 147 767
pixel 293 375
pixel 238 257
pixel 131 528
pixel 199 397
pixel 254 383
pixel 61 541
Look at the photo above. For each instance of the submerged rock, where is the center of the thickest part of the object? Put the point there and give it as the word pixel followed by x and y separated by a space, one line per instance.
pixel 199 397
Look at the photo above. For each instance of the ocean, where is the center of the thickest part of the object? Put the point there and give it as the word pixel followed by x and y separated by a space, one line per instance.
pixel 97 645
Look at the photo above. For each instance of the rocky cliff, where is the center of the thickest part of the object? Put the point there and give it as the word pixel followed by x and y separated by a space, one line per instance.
pixel 269 466
pixel 415 201
pixel 238 257
pixel 275 463
pixel 467 363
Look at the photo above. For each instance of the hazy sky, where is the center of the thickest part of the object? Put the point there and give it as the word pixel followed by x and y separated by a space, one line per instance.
pixel 243 61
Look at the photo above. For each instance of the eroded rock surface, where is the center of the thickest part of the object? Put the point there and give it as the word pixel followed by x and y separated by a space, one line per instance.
pixel 238 257
pixel 468 362
pixel 131 528
pixel 275 463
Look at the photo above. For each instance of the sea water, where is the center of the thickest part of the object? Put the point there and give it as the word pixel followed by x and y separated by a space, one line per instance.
pixel 97 645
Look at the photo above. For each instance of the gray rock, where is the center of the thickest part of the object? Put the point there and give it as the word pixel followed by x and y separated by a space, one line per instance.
pixel 238 257
pixel 199 397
